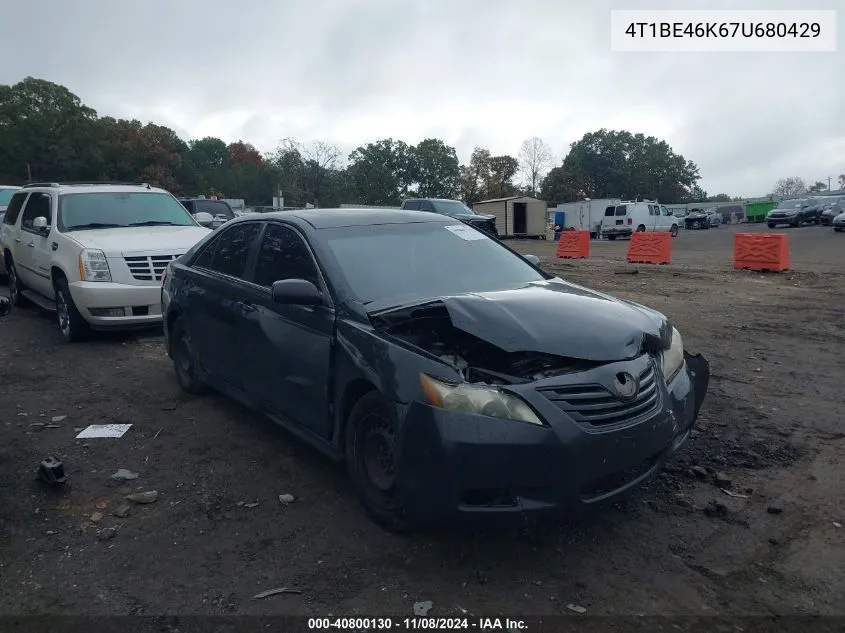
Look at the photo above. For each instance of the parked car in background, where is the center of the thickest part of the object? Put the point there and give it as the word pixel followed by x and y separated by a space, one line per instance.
pixel 454 209
pixel 831 209
pixel 629 217
pixel 839 223
pixel 454 376
pixel 702 219
pixel 94 253
pixel 6 193
pixel 219 210
pixel 794 213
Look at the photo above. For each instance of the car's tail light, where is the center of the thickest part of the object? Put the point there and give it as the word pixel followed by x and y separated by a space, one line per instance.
pixel 629 220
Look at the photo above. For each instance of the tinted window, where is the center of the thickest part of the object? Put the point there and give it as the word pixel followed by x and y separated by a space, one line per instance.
pixel 791 204
pixel 652 210
pixel 231 250
pixel 608 213
pixel 621 209
pixel 120 209
pixel 665 211
pixel 388 264
pixel 412 205
pixel 283 255
pixel 5 196
pixel 425 205
pixel 451 207
pixel 188 204
pixel 214 207
pixel 38 206
pixel 14 209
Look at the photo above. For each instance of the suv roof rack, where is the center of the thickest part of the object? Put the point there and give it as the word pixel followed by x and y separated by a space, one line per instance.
pixel 76 183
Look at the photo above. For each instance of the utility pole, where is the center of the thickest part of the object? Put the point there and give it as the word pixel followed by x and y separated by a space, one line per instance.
pixel 828 182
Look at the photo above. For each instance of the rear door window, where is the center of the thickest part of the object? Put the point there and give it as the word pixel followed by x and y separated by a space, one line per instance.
pixel 621 210
pixel 14 208
pixel 228 254
pixel 609 211
pixel 38 206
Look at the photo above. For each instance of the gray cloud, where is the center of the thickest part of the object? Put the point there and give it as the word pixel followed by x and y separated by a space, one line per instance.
pixel 473 72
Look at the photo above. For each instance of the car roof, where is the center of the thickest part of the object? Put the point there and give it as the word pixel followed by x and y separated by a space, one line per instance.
pixel 334 218
pixel 72 188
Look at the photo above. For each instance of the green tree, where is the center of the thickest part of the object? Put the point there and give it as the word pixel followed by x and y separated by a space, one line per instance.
pixel 817 187
pixel 474 176
pixel 435 169
pixel 382 172
pixel 500 179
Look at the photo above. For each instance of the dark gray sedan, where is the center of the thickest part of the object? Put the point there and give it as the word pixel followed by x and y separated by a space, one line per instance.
pixel 454 376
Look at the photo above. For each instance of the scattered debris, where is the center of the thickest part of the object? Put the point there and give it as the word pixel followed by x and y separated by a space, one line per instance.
pixel 273 592
pixel 774 541
pixel 107 534
pixel 623 271
pixel 699 471
pixel 124 474
pixel 58 418
pixel 52 426
pixel 775 508
pixel 837 525
pixel 52 471
pixel 734 494
pixel 101 505
pixel 157 432
pixel 716 509
pixel 461 609
pixel 96 517
pixel 421 609
pixel 122 511
pixel 143 497
pixel 576 608
pixel 287 499
pixel 251 505
pixel 722 480
pixel 103 430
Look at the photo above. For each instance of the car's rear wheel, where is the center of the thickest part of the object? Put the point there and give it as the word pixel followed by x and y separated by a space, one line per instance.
pixel 371 459
pixel 72 325
pixel 771 226
pixel 186 362
pixel 641 228
pixel 674 230
pixel 16 288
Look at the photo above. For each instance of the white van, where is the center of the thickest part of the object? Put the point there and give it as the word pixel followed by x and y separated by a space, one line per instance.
pixel 646 215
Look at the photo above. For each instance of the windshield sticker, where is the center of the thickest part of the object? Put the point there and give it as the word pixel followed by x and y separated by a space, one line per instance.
pixel 465 232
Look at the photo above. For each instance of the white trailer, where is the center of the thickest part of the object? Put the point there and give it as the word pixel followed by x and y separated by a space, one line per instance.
pixel 586 215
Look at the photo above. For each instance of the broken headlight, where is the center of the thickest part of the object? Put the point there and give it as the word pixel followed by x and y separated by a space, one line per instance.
pixel 673 358
pixel 477 399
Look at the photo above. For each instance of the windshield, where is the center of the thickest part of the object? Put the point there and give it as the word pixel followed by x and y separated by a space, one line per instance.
pixel 422 260
pixel 791 204
pixel 451 207
pixel 120 209
pixel 214 207
pixel 5 196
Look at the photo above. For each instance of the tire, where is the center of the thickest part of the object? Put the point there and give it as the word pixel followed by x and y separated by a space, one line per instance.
pixel 371 459
pixel 186 362
pixel 16 287
pixel 611 237
pixel 771 226
pixel 641 228
pixel 674 230
pixel 696 224
pixel 72 326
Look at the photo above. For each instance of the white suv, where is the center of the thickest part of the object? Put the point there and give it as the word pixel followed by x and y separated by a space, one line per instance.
pixel 94 252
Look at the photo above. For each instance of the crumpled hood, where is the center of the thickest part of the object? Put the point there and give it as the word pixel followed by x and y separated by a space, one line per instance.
pixel 557 317
pixel 117 242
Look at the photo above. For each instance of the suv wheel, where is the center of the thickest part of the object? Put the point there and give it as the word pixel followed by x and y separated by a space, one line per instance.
pixel 674 230
pixel 72 325
pixel 16 288
pixel 641 228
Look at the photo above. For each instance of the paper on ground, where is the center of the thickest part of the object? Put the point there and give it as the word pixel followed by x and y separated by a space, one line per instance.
pixel 103 430
pixel 465 232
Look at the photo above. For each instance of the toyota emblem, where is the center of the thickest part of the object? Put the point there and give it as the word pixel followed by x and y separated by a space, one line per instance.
pixel 626 386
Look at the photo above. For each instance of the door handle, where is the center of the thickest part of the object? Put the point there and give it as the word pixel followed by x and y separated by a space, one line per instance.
pixel 31 244
pixel 246 307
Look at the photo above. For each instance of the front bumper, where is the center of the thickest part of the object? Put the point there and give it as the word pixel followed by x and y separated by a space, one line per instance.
pixel 141 304
pixel 454 466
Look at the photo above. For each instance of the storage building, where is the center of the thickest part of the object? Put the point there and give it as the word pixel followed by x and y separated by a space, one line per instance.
pixel 517 216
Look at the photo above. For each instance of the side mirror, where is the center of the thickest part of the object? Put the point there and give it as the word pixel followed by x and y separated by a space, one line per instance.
pixel 299 292
pixel 41 225
pixel 203 218
pixel 533 259
pixel 5 306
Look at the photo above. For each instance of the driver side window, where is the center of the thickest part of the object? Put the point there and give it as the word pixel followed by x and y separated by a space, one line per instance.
pixel 38 206
pixel 284 255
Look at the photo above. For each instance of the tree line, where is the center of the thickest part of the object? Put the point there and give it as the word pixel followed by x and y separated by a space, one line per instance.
pixel 48 134
pixel 794 186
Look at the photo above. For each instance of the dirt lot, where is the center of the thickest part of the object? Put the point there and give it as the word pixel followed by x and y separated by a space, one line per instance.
pixel 772 424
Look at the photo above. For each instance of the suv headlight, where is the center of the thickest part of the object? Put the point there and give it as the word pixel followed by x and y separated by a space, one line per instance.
pixel 673 358
pixel 93 265
pixel 480 400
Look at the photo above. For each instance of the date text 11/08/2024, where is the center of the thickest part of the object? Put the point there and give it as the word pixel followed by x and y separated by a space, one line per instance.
pixel 416 624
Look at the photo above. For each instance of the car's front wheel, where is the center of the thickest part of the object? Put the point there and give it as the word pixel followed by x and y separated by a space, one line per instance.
pixel 186 362
pixel 371 459
pixel 674 230
pixel 72 324
pixel 771 226
pixel 16 288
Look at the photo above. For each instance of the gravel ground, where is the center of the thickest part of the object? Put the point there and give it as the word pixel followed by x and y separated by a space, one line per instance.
pixel 767 537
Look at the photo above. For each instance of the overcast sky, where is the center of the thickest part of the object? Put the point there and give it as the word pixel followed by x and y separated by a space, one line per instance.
pixel 472 72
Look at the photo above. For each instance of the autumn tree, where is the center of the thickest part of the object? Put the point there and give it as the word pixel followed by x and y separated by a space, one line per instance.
pixel 789 187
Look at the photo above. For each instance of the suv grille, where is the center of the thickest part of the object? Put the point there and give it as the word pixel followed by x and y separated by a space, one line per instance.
pixel 148 267
pixel 594 405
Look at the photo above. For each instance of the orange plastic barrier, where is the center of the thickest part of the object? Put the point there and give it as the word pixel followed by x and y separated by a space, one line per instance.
pixel 650 248
pixel 574 245
pixel 761 251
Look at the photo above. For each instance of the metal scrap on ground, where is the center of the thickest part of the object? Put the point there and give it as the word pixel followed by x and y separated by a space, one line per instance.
pixel 103 430
pixel 273 592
